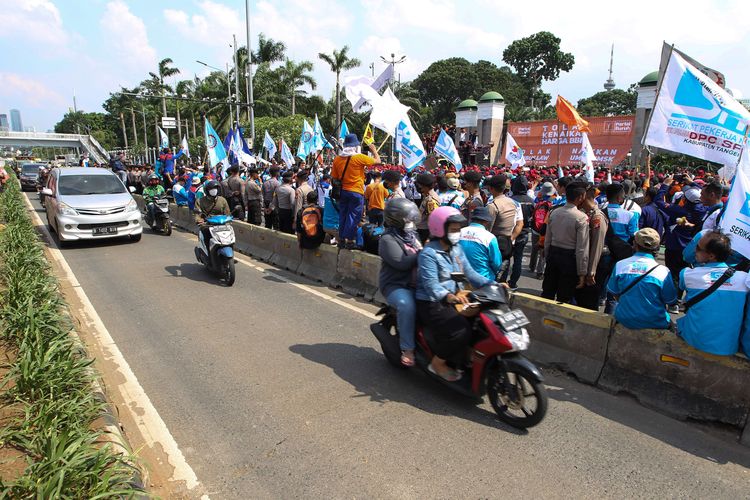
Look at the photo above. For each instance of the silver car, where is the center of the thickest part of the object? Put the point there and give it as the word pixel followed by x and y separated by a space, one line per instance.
pixel 90 203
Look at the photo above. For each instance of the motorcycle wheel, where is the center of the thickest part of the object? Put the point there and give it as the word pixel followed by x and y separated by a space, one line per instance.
pixel 229 274
pixel 520 403
pixel 167 226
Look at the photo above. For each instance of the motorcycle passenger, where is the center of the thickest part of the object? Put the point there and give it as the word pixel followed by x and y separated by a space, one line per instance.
pixel 437 293
pixel 151 193
pixel 399 248
pixel 209 204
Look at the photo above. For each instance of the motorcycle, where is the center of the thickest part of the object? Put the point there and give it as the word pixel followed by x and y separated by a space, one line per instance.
pixel 218 253
pixel 513 384
pixel 159 221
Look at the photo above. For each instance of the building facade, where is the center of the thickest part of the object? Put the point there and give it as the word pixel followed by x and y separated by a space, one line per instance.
pixel 15 121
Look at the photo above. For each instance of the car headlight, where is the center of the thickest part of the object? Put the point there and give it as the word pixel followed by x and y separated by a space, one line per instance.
pixel 64 209
pixel 519 339
pixel 132 206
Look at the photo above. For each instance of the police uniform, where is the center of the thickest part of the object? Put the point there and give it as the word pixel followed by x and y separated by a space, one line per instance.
pixel 566 246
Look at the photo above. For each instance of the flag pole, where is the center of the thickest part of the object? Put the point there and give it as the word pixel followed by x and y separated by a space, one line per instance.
pixel 558 141
pixel 656 100
pixel 383 143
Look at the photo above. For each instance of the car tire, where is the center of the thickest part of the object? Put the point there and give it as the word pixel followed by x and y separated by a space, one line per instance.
pixel 135 238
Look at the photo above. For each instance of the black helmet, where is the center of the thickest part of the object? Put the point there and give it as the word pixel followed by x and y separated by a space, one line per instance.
pixel 152 177
pixel 212 184
pixel 399 211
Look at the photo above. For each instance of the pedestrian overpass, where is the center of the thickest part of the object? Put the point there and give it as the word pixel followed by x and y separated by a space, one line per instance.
pixel 86 143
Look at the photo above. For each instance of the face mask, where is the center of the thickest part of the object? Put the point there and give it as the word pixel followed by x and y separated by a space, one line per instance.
pixel 454 238
pixel 410 226
pixel 213 192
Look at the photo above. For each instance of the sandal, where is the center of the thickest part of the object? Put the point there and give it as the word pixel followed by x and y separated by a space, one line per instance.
pixel 407 357
pixel 449 376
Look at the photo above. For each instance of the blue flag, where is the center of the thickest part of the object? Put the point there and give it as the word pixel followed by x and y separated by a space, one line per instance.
pixel 344 130
pixel 319 141
pixel 216 151
pixel 163 139
pixel 447 149
pixel 305 141
pixel 269 145
pixel 286 154
pixel 409 145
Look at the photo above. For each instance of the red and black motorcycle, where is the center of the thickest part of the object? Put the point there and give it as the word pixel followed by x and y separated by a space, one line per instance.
pixel 514 385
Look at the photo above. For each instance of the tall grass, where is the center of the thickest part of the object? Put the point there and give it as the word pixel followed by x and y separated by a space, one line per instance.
pixel 50 378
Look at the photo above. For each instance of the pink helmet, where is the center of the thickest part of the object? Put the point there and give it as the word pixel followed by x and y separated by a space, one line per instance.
pixel 441 217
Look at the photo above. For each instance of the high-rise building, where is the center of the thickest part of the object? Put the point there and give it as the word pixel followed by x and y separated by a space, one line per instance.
pixel 4 122
pixel 15 121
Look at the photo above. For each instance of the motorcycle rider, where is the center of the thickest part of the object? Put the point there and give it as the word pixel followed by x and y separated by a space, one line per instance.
pixel 209 204
pixel 437 293
pixel 151 193
pixel 399 248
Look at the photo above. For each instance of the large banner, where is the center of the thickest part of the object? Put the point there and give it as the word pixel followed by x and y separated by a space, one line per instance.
pixel 545 141
pixel 736 219
pixel 694 116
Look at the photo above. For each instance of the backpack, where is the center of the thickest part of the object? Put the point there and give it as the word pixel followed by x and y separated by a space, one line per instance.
pixel 311 222
pixel 371 234
pixel 619 249
pixel 539 216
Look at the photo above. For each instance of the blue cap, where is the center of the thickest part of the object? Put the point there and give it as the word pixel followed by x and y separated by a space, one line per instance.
pixel 351 140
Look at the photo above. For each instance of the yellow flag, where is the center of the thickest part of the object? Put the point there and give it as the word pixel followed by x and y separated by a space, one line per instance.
pixel 368 137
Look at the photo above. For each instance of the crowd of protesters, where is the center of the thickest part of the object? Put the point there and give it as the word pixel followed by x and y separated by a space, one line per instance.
pixel 592 244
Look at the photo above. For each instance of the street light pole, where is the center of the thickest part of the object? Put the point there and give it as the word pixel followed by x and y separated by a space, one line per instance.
pixel 236 79
pixel 251 102
pixel 229 85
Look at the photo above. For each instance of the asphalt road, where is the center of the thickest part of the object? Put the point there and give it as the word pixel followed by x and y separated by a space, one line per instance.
pixel 273 390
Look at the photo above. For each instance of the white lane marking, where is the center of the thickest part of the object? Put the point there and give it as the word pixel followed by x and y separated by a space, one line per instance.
pixel 150 424
pixel 249 263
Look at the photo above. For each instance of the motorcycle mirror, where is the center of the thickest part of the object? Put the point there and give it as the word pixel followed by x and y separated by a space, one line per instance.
pixel 131 189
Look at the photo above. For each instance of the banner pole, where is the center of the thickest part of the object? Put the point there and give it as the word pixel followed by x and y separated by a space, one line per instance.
pixel 383 143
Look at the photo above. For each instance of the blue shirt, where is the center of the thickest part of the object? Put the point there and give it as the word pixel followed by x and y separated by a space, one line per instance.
pixel 652 217
pixel 435 266
pixel 745 337
pixel 643 306
pixel 713 325
pixel 481 250
pixel 688 254
pixel 623 222
pixel 180 195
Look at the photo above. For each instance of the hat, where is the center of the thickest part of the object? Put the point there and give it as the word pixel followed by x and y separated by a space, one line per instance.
pixel 195 181
pixel 648 238
pixel 351 140
pixel 453 183
pixel 548 189
pixel 693 195
pixel 481 213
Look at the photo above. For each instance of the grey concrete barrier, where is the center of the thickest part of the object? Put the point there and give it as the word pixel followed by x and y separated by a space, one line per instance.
pixel 253 240
pixel 358 272
pixel 320 264
pixel 566 337
pixel 183 217
pixel 285 251
pixel 665 373
pixel 745 439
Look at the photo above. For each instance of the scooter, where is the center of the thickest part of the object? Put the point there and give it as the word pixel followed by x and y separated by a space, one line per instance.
pixel 218 253
pixel 496 366
pixel 160 220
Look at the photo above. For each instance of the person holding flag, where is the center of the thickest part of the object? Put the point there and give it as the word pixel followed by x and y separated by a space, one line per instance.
pixel 349 173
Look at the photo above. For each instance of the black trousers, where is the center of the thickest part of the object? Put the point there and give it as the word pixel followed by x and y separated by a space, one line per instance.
pixel 560 275
pixel 286 220
pixel 272 218
pixel 450 331
pixel 588 296
pixel 675 263
pixel 254 212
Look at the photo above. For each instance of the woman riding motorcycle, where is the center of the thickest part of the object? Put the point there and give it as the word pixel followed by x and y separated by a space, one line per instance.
pixel 398 248
pixel 437 293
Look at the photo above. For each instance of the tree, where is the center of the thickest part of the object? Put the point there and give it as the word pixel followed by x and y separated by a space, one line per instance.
pixel 269 50
pixel 294 76
pixel 538 57
pixel 609 103
pixel 339 61
pixel 165 71
pixel 288 128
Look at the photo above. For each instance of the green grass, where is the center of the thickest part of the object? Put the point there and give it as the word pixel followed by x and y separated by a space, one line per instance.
pixel 50 379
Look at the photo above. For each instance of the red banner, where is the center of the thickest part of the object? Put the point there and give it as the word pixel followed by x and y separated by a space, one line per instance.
pixel 545 141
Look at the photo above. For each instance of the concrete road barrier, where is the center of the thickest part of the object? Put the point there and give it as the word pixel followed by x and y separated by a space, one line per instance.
pixel 665 373
pixel 285 251
pixel 358 273
pixel 183 217
pixel 320 264
pixel 253 240
pixel 567 337
pixel 745 439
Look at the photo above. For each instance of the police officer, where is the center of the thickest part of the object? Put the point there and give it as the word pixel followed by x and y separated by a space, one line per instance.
pixel 566 246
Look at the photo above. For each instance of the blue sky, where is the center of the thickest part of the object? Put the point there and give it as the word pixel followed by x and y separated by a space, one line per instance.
pixel 51 48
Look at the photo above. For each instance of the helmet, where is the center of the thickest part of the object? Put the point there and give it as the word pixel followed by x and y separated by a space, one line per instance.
pixel 441 217
pixel 399 211
pixel 212 184
pixel 153 177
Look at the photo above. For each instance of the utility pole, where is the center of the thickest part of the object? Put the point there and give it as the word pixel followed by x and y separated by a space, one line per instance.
pixel 251 102
pixel 135 132
pixel 124 130
pixel 145 129
pixel 229 93
pixel 236 79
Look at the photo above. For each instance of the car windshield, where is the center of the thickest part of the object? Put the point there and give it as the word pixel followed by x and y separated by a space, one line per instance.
pixel 30 169
pixel 89 184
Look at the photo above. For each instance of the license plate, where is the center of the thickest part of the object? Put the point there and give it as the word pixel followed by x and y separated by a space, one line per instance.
pixel 513 320
pixel 100 231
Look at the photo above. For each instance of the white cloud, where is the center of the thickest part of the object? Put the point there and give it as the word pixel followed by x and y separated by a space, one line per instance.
pixel 34 21
pixel 30 92
pixel 126 34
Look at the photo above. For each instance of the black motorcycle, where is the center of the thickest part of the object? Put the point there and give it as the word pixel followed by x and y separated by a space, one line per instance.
pixel 157 215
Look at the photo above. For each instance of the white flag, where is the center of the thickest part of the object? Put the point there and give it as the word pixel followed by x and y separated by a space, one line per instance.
pixel 163 139
pixel 447 149
pixel 185 146
pixel 694 116
pixel 587 156
pixel 736 219
pixel 513 153
pixel 387 112
pixel 376 85
pixel 408 143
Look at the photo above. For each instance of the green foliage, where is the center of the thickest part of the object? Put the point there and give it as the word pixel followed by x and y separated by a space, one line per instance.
pixel 609 103
pixel 102 126
pixel 285 127
pixel 50 379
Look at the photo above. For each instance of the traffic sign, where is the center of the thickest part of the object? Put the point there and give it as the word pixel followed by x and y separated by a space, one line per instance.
pixel 168 122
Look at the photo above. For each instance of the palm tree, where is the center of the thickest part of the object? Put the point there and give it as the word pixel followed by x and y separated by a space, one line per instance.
pixel 295 76
pixel 164 71
pixel 268 51
pixel 339 61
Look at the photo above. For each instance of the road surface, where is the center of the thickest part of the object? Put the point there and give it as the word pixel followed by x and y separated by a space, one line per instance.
pixel 275 388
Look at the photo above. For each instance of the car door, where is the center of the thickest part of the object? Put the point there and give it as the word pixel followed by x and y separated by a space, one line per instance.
pixel 50 204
